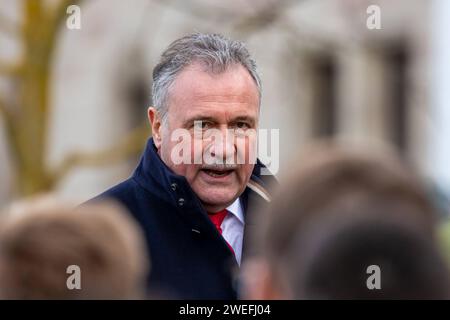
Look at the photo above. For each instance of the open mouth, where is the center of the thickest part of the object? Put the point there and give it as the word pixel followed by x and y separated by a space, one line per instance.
pixel 217 173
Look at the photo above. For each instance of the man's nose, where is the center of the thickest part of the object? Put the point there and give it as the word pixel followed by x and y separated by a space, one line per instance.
pixel 223 147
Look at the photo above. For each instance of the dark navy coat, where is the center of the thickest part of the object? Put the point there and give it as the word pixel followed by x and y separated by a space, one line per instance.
pixel 189 258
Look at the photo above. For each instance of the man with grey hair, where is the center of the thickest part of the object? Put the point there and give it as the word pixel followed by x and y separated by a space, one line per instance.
pixel 198 182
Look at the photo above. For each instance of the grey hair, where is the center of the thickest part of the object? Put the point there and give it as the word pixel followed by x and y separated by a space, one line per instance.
pixel 214 51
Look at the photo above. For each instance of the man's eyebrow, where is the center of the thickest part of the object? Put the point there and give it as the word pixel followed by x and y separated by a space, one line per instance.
pixel 244 118
pixel 191 120
pixel 200 117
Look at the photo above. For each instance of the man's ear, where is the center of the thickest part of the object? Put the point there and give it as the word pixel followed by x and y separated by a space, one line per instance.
pixel 155 122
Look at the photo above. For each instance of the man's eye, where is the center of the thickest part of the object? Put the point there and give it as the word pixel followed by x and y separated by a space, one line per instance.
pixel 242 125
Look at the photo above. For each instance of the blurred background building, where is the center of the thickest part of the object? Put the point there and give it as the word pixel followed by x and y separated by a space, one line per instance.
pixel 74 101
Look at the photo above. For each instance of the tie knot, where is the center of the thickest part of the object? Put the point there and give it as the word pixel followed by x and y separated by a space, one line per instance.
pixel 218 217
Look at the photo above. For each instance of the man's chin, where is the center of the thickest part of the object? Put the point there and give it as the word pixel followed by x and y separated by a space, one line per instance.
pixel 217 202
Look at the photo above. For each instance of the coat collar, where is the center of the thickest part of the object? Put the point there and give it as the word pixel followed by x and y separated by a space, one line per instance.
pixel 153 175
pixel 157 178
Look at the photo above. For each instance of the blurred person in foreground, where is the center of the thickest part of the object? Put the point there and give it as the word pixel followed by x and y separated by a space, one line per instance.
pixel 41 240
pixel 348 226
pixel 195 211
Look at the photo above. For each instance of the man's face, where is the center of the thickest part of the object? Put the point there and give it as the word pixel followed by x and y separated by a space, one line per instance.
pixel 210 108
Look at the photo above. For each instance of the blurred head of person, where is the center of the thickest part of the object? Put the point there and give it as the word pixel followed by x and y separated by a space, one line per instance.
pixel 206 98
pixel 354 258
pixel 50 250
pixel 341 214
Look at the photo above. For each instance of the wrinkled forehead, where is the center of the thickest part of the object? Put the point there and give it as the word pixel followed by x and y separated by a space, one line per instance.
pixel 195 85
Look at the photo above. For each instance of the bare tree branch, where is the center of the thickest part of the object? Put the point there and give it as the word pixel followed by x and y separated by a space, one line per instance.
pixel 10 69
pixel 269 14
pixel 194 10
pixel 10 129
pixel 60 10
pixel 5 112
pixel 129 146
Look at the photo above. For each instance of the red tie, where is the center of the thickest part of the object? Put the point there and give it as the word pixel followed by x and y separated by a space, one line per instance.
pixel 217 219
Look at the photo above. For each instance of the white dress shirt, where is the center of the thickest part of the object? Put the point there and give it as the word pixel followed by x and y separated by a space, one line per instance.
pixel 233 228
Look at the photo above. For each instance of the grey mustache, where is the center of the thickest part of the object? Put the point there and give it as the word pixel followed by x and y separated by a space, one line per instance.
pixel 220 167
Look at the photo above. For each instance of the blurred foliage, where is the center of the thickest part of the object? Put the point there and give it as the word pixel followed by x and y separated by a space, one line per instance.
pixel 26 113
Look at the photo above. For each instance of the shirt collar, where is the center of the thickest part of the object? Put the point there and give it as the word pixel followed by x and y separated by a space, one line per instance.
pixel 236 209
